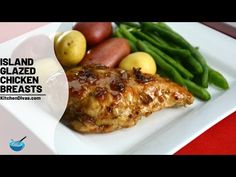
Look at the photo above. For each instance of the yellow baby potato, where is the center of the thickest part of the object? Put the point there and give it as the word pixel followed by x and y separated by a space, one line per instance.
pixel 58 34
pixel 139 60
pixel 70 48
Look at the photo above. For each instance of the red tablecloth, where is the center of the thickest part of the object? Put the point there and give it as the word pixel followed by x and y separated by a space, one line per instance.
pixel 220 139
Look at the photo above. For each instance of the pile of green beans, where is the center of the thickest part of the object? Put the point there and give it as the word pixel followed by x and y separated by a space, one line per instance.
pixel 176 57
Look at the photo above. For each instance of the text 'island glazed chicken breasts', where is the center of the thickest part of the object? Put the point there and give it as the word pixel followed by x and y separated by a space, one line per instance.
pixel 103 99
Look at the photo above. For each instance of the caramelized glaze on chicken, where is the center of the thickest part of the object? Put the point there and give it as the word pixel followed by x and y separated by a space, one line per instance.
pixel 103 99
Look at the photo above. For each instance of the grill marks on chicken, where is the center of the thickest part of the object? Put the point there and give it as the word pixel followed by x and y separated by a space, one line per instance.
pixel 103 99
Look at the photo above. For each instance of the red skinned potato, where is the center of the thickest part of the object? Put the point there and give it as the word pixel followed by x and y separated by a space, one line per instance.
pixel 108 53
pixel 94 32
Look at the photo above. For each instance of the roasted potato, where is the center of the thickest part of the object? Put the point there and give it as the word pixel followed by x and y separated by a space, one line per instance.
pixel 139 60
pixel 70 48
pixel 108 53
pixel 94 32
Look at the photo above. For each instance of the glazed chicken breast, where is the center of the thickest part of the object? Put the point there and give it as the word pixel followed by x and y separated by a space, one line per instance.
pixel 105 99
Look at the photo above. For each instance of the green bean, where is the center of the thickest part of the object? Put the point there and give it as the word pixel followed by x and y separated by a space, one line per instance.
pixel 131 24
pixel 132 44
pixel 184 72
pixel 157 39
pixel 169 43
pixel 162 63
pixel 161 24
pixel 117 33
pixel 197 91
pixel 164 25
pixel 127 34
pixel 181 53
pixel 179 40
pixel 167 34
pixel 202 61
pixel 217 79
pixel 156 36
pixel 163 73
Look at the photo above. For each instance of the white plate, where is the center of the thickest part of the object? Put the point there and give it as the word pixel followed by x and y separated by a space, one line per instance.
pixel 166 131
